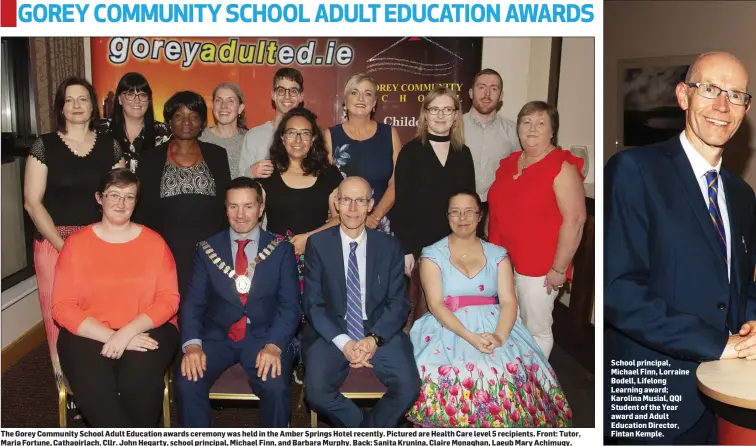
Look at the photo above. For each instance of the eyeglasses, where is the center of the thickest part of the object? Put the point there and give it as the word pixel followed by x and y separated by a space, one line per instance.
pixel 292 134
pixel 281 91
pixel 116 197
pixel 143 97
pixel 361 202
pixel 456 213
pixel 446 110
pixel 711 91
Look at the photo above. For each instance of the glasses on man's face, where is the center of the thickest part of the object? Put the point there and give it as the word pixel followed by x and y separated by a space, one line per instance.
pixel 281 91
pixel 117 198
pixel 467 213
pixel 292 134
pixel 434 111
pixel 711 91
pixel 360 202
pixel 139 97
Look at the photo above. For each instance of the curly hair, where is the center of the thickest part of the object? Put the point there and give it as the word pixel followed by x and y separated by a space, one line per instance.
pixel 316 161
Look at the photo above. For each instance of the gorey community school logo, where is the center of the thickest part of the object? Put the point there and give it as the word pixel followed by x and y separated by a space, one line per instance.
pixel 403 55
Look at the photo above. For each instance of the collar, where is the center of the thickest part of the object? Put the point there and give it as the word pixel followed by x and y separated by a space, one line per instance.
pixel 474 117
pixel 698 162
pixel 254 235
pixel 345 239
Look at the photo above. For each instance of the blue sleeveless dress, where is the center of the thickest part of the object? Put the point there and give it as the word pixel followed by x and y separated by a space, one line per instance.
pixel 462 387
pixel 371 159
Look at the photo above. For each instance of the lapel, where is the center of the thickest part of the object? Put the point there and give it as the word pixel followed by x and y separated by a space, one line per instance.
pixel 737 255
pixel 687 179
pixel 335 251
pixel 259 274
pixel 371 253
pixel 221 243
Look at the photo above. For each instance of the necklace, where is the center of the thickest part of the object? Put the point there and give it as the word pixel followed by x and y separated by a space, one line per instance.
pixel 244 281
pixel 521 162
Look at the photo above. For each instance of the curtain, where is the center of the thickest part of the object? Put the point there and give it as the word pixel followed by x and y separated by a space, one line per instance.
pixel 53 60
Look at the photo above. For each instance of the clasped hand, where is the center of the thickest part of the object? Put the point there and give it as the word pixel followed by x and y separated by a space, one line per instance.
pixel 484 342
pixel 123 340
pixel 360 353
pixel 743 344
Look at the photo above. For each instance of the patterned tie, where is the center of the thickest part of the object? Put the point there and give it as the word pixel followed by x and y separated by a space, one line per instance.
pixel 239 328
pixel 716 216
pixel 355 330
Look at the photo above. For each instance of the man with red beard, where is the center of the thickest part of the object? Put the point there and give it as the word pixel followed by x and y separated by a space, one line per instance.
pixel 489 135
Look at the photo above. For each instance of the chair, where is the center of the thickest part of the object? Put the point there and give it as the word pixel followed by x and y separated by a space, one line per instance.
pixel 64 390
pixel 360 384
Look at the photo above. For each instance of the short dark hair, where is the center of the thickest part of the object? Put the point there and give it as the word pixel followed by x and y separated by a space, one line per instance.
pixel 291 74
pixel 540 106
pixel 316 161
pixel 246 183
pixel 485 71
pixel 60 102
pixel 135 82
pixel 189 99
pixel 119 177
pixel 469 193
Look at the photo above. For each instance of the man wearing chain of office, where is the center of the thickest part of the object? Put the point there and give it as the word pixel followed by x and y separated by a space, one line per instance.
pixel 242 307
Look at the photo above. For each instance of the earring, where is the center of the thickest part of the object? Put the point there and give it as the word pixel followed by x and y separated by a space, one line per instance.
pixel 345 112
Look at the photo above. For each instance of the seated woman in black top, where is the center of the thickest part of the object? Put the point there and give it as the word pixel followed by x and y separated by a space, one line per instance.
pixel 301 190
pixel 429 168
pixel 184 183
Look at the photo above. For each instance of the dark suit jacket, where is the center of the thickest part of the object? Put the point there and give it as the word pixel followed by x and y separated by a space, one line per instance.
pixel 212 303
pixel 324 298
pixel 666 290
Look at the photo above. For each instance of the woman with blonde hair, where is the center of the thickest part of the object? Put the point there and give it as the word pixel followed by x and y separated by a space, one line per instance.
pixel 362 147
pixel 429 168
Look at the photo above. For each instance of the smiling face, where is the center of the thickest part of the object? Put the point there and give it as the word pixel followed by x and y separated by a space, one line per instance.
pixel 354 202
pixel 535 131
pixel 185 123
pixel 486 93
pixel 464 215
pixel 77 108
pixel 243 210
pixel 134 103
pixel 297 137
pixel 710 123
pixel 118 203
pixel 286 95
pixel 439 122
pixel 361 100
pixel 226 106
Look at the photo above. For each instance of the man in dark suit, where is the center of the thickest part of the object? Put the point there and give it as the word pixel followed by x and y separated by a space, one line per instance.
pixel 678 259
pixel 242 307
pixel 356 306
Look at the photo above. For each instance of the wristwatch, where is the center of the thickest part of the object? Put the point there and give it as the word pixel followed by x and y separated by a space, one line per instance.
pixel 378 339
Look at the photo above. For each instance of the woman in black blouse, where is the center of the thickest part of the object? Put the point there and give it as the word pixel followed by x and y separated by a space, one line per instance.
pixel 428 170
pixel 300 192
pixel 133 123
pixel 184 183
pixel 63 171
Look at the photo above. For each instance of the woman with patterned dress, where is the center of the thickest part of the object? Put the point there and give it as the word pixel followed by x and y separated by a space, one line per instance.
pixel 184 184
pixel 230 125
pixel 480 367
pixel 132 122
pixel 362 147
pixel 63 171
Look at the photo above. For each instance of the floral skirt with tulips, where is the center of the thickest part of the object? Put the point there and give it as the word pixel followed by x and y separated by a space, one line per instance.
pixel 462 387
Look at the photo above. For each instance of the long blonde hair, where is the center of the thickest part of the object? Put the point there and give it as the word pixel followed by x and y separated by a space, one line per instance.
pixel 457 131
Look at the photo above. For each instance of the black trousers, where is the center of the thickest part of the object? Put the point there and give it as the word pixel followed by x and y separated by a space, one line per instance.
pixel 125 392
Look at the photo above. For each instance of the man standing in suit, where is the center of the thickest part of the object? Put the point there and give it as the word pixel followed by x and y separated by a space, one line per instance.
pixel 678 254
pixel 242 307
pixel 356 306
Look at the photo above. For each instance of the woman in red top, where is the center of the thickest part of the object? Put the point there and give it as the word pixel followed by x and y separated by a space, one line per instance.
pixel 116 297
pixel 537 212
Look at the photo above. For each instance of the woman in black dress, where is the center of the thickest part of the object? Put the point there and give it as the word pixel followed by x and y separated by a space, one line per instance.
pixel 132 122
pixel 184 183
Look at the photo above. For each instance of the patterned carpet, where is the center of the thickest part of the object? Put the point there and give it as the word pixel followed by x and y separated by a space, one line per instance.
pixel 29 397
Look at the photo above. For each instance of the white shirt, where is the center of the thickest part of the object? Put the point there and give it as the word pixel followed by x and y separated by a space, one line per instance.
pixel 700 167
pixel 361 254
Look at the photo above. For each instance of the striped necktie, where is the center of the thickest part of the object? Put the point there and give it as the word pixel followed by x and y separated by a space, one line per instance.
pixel 716 216
pixel 355 328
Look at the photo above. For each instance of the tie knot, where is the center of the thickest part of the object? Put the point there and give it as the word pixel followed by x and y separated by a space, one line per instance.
pixel 353 246
pixel 711 176
pixel 243 243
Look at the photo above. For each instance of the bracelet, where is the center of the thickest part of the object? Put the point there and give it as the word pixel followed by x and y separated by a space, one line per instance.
pixel 563 273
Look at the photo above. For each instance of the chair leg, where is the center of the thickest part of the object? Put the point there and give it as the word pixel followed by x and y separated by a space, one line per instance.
pixel 313 419
pixel 167 401
pixel 62 408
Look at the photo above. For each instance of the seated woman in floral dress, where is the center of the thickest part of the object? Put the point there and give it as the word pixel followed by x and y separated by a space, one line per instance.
pixel 479 365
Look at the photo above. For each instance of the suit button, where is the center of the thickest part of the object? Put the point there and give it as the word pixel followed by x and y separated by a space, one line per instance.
pixel 721 305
